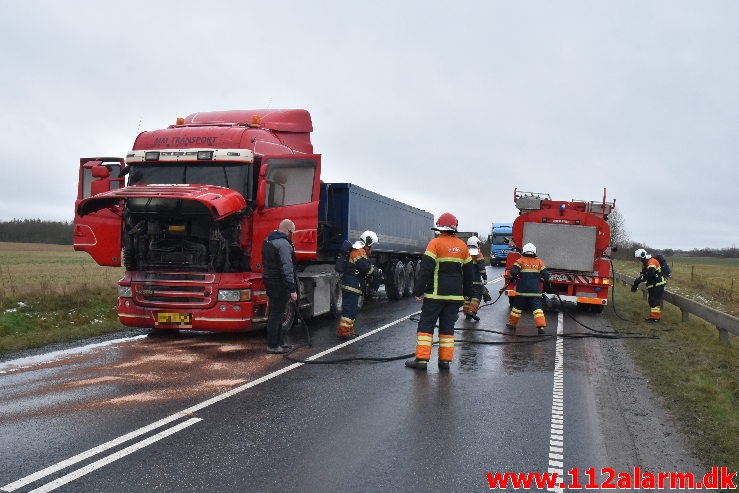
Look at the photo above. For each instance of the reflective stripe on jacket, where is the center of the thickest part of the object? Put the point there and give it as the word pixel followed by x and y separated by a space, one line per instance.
pixel 357 268
pixel 651 273
pixel 529 271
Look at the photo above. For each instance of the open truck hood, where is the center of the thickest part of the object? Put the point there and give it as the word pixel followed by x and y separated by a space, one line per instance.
pixel 221 202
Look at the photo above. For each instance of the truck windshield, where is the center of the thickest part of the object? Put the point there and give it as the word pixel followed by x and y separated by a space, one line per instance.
pixel 499 239
pixel 236 177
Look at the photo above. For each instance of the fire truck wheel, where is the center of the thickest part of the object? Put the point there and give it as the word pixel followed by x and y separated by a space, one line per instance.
pixel 596 308
pixel 395 280
pixel 410 278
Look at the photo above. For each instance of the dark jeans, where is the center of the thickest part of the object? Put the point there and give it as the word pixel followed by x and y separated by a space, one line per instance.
pixel 278 296
pixel 446 312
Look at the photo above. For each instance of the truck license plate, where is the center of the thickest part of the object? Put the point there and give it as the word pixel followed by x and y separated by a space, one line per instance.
pixel 174 318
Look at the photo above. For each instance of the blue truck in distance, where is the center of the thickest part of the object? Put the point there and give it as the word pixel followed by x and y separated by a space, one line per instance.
pixel 500 234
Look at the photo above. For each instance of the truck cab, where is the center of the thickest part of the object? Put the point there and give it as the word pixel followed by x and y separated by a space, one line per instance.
pixel 499 240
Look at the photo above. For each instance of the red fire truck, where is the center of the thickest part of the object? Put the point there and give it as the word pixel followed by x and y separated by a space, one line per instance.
pixel 201 196
pixel 572 239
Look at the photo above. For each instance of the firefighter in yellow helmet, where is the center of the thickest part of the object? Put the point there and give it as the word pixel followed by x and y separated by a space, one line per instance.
pixel 358 268
pixel 444 280
pixel 479 277
pixel 528 271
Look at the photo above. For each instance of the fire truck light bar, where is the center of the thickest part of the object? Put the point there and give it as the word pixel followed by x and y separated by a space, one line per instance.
pixel 241 155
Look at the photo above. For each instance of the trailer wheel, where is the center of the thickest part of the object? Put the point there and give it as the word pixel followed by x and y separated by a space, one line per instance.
pixel 410 278
pixel 395 280
pixel 336 298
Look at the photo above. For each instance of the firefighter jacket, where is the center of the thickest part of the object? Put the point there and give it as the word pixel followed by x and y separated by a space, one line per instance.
pixel 358 267
pixel 651 273
pixel 528 271
pixel 446 270
pixel 278 258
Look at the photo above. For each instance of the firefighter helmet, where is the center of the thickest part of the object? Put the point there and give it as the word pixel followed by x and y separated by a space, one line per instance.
pixel 529 249
pixel 368 239
pixel 473 244
pixel 446 222
pixel 642 254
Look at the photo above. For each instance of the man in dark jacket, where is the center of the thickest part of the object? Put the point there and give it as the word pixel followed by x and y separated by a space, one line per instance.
pixel 278 259
pixel 444 280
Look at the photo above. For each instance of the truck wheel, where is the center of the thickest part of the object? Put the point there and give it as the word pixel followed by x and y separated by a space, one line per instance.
pixel 596 308
pixel 288 318
pixel 395 281
pixel 410 278
pixel 336 297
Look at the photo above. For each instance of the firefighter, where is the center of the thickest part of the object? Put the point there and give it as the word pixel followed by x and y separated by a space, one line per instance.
pixel 444 280
pixel 527 272
pixel 357 270
pixel 651 273
pixel 479 278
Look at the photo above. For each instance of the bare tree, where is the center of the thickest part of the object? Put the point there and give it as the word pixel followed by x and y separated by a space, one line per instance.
pixel 619 235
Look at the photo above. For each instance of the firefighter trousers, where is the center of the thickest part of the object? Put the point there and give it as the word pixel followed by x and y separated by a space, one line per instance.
pixel 445 312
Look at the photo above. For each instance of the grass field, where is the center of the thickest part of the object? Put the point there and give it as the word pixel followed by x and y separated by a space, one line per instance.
pixel 50 293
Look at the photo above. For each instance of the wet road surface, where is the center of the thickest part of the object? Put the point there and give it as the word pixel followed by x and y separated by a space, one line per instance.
pixel 213 412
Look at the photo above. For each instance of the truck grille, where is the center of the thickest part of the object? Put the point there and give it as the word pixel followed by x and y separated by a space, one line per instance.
pixel 184 289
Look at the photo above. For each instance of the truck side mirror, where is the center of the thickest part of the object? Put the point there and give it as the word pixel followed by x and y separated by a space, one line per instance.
pixel 261 194
pixel 100 172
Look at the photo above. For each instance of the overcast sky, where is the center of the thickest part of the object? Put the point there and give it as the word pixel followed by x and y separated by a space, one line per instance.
pixel 447 106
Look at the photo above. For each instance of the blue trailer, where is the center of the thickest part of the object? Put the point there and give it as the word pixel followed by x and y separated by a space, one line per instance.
pixel 346 210
pixel 500 235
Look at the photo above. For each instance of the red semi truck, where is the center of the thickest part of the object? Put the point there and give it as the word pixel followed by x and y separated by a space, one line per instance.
pixel 572 238
pixel 201 196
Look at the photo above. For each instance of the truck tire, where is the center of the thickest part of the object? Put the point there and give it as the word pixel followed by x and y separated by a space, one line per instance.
pixel 288 318
pixel 410 278
pixel 395 280
pixel 336 297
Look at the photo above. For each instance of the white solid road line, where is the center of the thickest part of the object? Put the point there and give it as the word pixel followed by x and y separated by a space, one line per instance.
pixel 114 457
pixel 556 427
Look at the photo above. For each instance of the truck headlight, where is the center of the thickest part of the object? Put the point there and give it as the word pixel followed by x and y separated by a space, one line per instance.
pixel 125 292
pixel 234 295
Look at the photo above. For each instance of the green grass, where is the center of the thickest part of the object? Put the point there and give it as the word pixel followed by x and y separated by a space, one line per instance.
pixel 50 293
pixel 695 376
pixel 37 322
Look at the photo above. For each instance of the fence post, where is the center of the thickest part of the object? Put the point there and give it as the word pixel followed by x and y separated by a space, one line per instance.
pixel 723 336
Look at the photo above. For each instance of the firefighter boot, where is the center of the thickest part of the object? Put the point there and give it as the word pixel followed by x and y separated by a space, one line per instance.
pixel 345 330
pixel 444 365
pixel 417 364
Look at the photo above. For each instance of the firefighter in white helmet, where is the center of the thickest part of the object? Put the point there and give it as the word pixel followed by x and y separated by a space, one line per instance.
pixel 358 268
pixel 472 304
pixel 651 273
pixel 528 272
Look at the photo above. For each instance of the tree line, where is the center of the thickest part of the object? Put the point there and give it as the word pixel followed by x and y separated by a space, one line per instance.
pixel 36 231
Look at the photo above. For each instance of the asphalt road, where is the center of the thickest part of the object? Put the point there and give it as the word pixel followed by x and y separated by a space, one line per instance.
pixel 213 412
